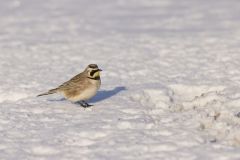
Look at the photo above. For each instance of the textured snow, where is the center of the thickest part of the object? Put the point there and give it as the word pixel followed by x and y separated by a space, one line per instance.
pixel 170 85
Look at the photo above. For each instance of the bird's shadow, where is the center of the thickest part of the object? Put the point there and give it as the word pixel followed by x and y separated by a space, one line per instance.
pixel 105 94
pixel 100 96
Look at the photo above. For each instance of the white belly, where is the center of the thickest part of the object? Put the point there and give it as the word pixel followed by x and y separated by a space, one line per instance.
pixel 87 93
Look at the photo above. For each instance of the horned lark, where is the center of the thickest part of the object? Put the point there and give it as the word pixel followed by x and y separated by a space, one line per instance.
pixel 81 87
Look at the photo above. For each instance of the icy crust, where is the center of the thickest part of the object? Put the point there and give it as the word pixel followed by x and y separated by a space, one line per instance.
pixel 159 121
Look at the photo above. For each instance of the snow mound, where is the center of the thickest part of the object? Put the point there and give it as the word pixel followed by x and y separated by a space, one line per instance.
pixel 215 112
pixel 210 109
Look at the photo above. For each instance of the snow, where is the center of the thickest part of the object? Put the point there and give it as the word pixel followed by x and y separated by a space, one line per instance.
pixel 170 81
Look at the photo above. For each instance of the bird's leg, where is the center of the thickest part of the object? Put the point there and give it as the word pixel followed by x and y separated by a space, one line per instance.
pixel 87 105
pixel 84 104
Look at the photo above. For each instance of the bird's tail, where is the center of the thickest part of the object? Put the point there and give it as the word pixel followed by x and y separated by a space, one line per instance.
pixel 49 92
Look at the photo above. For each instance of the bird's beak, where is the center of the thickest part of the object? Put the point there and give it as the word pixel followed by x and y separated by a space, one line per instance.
pixel 99 70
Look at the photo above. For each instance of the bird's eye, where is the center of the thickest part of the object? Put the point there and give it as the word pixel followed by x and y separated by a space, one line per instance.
pixel 92 72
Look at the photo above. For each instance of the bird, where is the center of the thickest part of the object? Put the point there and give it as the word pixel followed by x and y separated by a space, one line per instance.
pixel 81 87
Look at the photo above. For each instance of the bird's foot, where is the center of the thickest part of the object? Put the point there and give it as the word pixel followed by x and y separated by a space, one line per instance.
pixel 84 104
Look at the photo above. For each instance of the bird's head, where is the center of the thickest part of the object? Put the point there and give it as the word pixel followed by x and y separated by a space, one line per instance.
pixel 93 72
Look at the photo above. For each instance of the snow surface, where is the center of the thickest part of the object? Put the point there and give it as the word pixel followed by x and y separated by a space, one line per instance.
pixel 170 87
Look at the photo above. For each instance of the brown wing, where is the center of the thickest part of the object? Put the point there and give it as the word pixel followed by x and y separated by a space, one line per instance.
pixel 73 83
